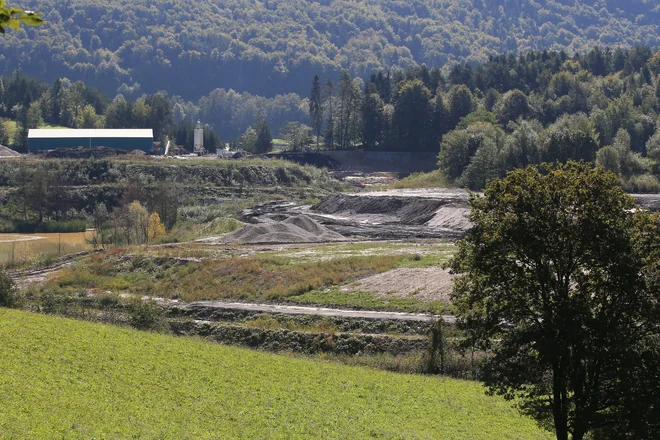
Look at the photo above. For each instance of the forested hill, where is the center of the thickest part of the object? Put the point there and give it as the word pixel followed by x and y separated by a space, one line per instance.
pixel 266 47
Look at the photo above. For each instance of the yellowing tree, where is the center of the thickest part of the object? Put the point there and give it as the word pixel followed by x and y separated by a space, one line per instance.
pixel 139 222
pixel 155 228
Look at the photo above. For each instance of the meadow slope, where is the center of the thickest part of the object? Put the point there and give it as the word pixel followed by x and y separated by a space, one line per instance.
pixel 73 379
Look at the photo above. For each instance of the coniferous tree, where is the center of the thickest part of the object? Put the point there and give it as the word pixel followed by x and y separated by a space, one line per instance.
pixel 56 101
pixel 264 141
pixel 316 109
pixel 330 122
pixel 412 116
pixel 372 118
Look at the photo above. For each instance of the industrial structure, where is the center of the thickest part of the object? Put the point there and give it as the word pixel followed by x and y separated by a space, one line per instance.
pixel 123 139
pixel 199 140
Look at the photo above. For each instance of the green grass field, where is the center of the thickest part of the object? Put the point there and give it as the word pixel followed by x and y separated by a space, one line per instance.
pixel 62 378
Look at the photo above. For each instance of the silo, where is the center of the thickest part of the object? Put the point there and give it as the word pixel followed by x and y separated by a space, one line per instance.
pixel 199 139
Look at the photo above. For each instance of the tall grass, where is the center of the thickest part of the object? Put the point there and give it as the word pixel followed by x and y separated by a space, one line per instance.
pixel 434 179
pixel 51 245
pixel 262 278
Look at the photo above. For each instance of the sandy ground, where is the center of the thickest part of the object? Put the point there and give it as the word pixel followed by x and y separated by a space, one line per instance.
pixel 429 284
pixel 433 193
pixel 451 217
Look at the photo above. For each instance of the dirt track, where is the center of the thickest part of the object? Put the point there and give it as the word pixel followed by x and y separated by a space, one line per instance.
pixel 322 311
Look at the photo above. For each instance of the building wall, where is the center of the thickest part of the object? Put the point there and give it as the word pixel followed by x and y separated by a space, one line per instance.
pixel 144 144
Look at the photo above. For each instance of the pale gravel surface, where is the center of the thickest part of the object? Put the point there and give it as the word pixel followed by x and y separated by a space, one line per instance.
pixel 322 311
pixel 428 284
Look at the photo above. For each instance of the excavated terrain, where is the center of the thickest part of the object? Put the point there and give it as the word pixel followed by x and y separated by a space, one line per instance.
pixel 382 215
pixel 430 213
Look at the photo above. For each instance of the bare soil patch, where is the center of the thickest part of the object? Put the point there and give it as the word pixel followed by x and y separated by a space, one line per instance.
pixel 428 284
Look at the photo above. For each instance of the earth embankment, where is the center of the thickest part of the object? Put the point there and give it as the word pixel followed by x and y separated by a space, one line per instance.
pixel 424 213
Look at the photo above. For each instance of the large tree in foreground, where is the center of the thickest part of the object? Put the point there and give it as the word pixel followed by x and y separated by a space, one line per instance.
pixel 560 285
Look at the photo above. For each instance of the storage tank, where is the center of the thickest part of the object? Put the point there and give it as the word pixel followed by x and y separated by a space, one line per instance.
pixel 199 139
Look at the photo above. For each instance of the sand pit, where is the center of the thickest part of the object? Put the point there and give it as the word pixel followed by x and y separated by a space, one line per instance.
pixel 427 284
pixel 296 229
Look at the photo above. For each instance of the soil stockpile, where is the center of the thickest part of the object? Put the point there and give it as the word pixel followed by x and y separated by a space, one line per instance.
pixel 451 217
pixel 296 229
pixel 8 152
pixel 439 208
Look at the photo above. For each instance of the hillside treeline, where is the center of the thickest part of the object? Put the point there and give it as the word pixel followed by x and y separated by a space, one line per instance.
pixel 32 103
pixel 265 47
pixel 511 112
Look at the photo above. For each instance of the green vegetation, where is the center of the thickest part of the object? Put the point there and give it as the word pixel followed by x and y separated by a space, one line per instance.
pixel 13 17
pixel 434 179
pixel 82 380
pixel 258 277
pixel 8 295
pixel 560 281
pixel 265 48
pixel 191 197
pixel 333 296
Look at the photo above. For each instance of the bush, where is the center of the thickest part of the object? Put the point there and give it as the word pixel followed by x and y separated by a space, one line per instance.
pixel 8 297
pixel 645 183
pixel 147 315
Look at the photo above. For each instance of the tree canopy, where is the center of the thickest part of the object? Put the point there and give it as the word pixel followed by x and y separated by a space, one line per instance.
pixel 265 47
pixel 559 283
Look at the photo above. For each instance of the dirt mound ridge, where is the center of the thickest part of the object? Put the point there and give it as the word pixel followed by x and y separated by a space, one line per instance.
pixel 403 208
pixel 296 229
pixel 8 152
pixel 451 217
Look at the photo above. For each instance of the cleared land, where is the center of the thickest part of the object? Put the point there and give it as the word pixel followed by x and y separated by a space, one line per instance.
pixel 292 273
pixel 429 283
pixel 65 378
pixel 25 247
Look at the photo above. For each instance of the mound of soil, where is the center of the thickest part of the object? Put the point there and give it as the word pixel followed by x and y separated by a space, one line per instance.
pixel 405 207
pixel 296 229
pixel 451 217
pixel 8 152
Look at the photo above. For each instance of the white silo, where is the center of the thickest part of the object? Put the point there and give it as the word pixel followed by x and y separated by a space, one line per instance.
pixel 199 139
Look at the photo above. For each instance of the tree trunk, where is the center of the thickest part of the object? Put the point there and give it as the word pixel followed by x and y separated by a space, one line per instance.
pixel 558 404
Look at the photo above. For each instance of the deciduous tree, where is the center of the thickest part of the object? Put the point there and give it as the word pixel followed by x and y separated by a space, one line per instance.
pixel 12 17
pixel 560 284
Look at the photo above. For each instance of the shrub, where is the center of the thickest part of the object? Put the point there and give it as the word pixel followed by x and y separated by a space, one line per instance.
pixel 147 315
pixel 645 183
pixel 8 297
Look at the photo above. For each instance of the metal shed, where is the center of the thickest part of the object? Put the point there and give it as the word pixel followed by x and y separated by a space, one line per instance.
pixel 123 139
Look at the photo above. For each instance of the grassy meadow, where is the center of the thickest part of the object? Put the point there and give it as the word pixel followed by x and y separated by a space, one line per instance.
pixel 62 378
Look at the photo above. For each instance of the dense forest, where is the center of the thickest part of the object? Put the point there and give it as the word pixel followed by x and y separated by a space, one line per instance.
pixel 270 47
pixel 508 112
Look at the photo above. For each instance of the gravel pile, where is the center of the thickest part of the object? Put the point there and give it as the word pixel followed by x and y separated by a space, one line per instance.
pixel 297 229
pixel 8 152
